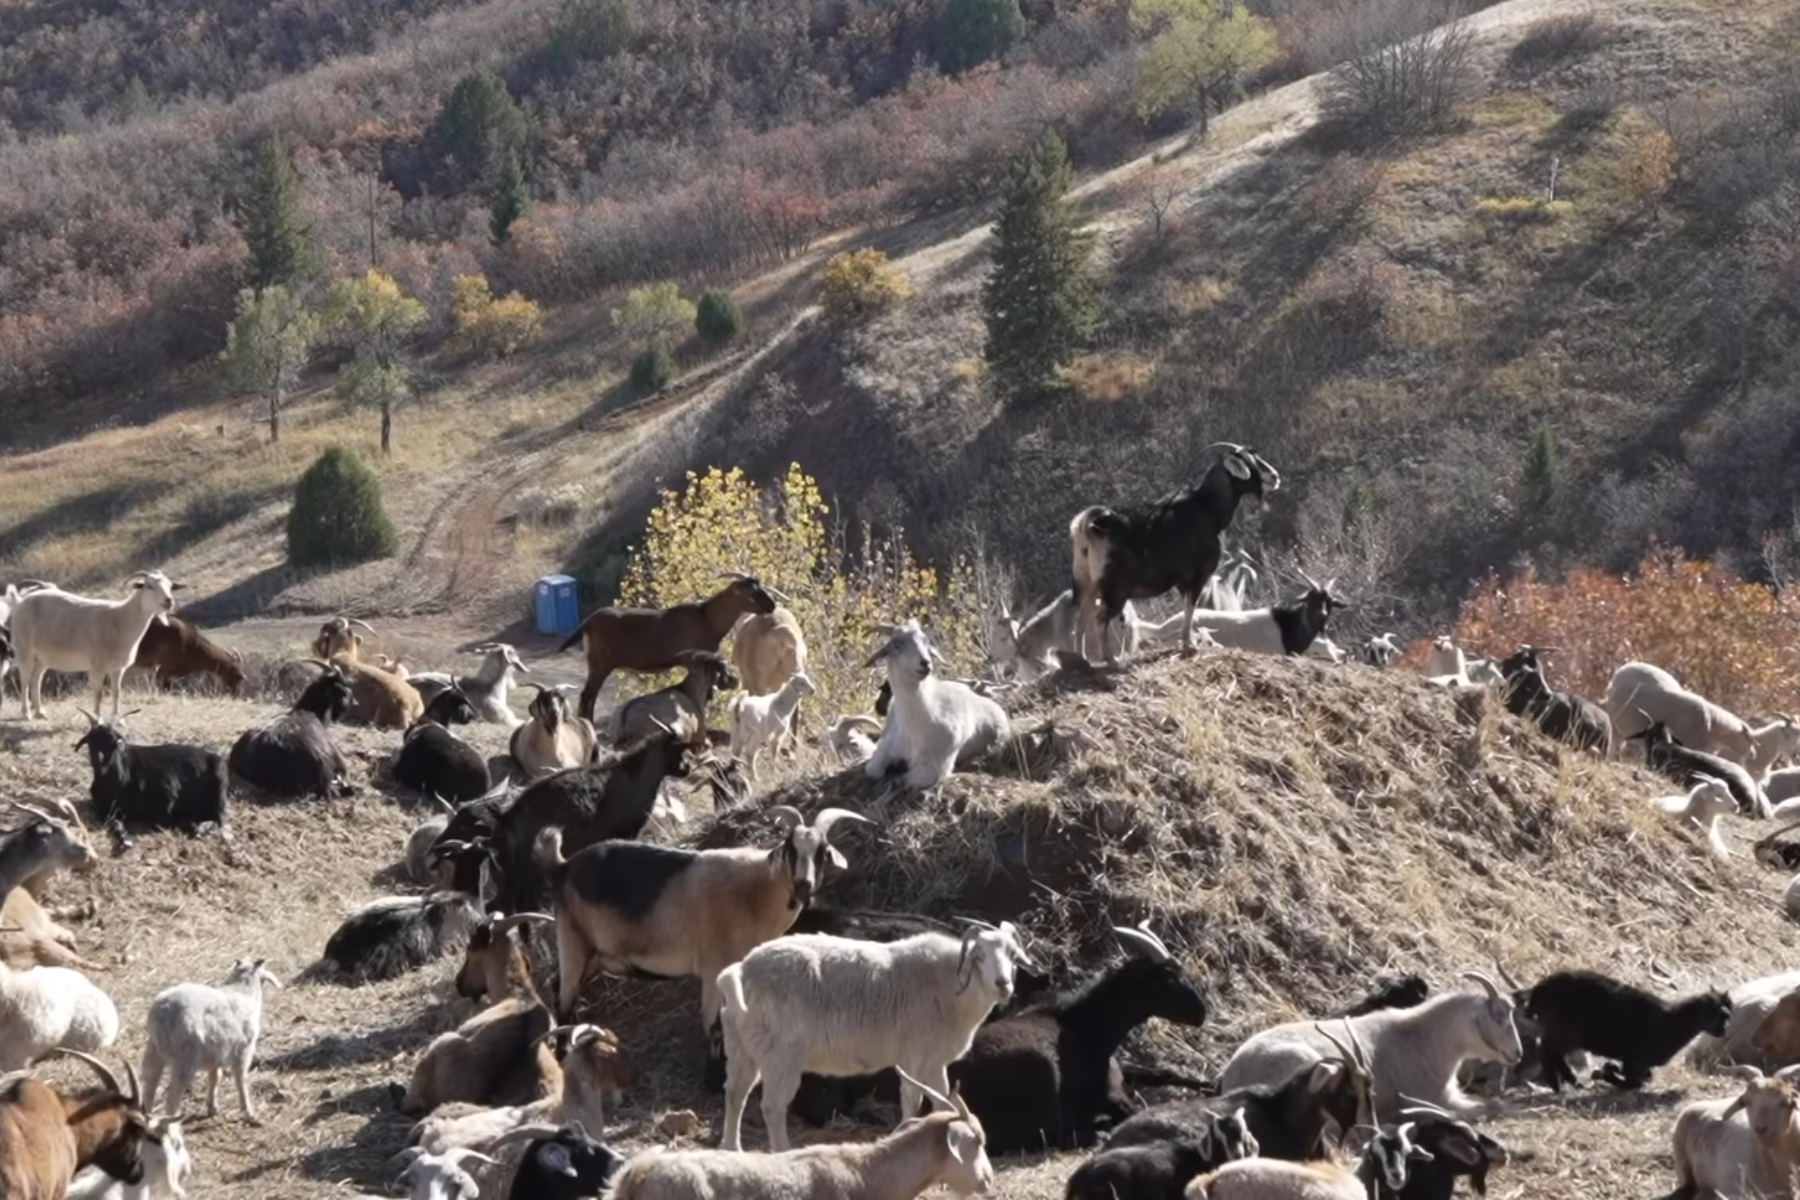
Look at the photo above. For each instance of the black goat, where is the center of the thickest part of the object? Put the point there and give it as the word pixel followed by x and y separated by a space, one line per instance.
pixel 1299 623
pixel 1585 1010
pixel 681 706
pixel 1145 550
pixel 401 933
pixel 610 800
pixel 566 1164
pixel 1457 1150
pixel 1567 718
pixel 466 842
pixel 161 786
pixel 434 760
pixel 1687 767
pixel 1287 1119
pixel 1047 1076
pixel 1394 991
pixel 1162 1170
pixel 295 754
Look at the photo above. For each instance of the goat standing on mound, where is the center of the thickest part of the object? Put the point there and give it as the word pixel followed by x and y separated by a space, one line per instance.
pixel 1140 552
pixel 936 724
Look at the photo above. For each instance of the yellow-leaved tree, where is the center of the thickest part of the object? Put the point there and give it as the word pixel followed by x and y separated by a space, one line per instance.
pixel 839 587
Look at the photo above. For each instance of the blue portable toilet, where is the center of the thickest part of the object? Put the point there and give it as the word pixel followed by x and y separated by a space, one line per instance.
pixel 558 608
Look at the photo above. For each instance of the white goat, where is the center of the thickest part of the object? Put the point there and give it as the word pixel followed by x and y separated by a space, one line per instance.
pixel 946 1147
pixel 1381 1170
pixel 1745 1147
pixel 1639 694
pixel 167 1166
pixel 848 738
pixel 934 725
pixel 53 630
pixel 194 1028
pixel 1029 649
pixel 1751 1004
pixel 1414 1052
pixel 839 1006
pixel 46 1007
pixel 1381 650
pixel 1702 806
pixel 760 723
pixel 486 689
pixel 438 1176
pixel 1326 650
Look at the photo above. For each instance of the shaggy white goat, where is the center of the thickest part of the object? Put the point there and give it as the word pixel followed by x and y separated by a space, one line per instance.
pixel 934 724
pixel 1719 1152
pixel 1702 806
pixel 53 630
pixel 45 1007
pixel 194 1028
pixel 840 1006
pixel 1639 694
pixel 760 723
pixel 1029 649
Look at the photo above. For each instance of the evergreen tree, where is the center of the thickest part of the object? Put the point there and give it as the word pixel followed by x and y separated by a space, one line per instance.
pixel 1040 301
pixel 337 518
pixel 717 318
pixel 970 32
pixel 280 239
pixel 480 125
pixel 1543 470
pixel 508 200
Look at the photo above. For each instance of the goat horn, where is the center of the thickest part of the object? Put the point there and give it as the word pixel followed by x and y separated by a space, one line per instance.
pixel 787 816
pixel 1485 980
pixel 525 1133
pixel 1142 942
pixel 92 720
pixel 509 923
pixel 1506 975
pixel 107 1079
pixel 829 817
pixel 363 623
pixel 1344 1051
pixel 936 1097
pixel 1232 446
pixel 457 1154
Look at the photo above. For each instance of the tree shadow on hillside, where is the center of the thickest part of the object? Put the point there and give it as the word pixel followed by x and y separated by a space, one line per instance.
pixel 367 1161
pixel 253 596
pixel 99 507
pixel 335 1051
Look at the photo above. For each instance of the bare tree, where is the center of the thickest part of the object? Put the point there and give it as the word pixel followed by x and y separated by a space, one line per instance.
pixel 1395 81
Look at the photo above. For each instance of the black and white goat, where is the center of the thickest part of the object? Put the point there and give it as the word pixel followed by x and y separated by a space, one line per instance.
pixel 1585 1010
pixel 434 761
pixel 1561 715
pixel 1689 767
pixel 160 786
pixel 1145 550
pixel 1283 629
pixel 401 933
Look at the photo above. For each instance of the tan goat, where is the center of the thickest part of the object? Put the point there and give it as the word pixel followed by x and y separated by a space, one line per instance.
pixel 381 698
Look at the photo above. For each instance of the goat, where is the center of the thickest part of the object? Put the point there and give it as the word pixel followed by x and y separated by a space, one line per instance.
pixel 1689 767
pixel 496 1056
pixel 399 934
pixel 636 908
pixel 1717 1154
pixel 1380 651
pixel 46 1135
pixel 1414 1051
pixel 1584 1010
pixel 1326 650
pixel 611 799
pixel 1283 629
pixel 945 1147
pixel 425 835
pixel 435 761
pixel 295 754
pixel 1399 991
pixel 760 723
pixel 382 698
pixel 561 1162
pixel 1139 552
pixel 848 739
pixel 1162 1170
pixel 486 690
pixel 439 1176
pixel 1639 693
pixel 44 844
pixel 647 639
pixel 1701 807
pixel 554 739
pixel 1776 1039
pixel 1384 1163
pixel 1561 715
pixel 1288 1118
pixel 1047 1076
pixel 936 724
pixel 835 1006
pixel 681 707
pixel 43 1008
pixel 193 1028
pixel 1454 1149
pixel 768 649
pixel 1751 1004
pixel 54 630
pixel 174 648
pixel 161 786
pixel 167 1168
pixel 1030 649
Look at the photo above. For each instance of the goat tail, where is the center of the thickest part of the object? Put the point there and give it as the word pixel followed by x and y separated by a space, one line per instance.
pixel 731 990
pixel 574 638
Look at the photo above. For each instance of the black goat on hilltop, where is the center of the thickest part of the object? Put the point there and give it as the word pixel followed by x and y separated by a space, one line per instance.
pixel 434 760
pixel 161 786
pixel 295 754
pixel 1145 550
pixel 1687 767
pixel 1585 1010
pixel 1047 1076
pixel 1561 715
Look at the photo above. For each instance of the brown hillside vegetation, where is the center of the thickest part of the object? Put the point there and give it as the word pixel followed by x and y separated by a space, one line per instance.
pixel 1290 830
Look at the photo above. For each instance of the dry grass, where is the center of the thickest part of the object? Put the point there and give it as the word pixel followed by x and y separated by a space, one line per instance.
pixel 1291 829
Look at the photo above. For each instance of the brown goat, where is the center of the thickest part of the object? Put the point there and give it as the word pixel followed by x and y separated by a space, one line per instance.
pixel 173 648
pixel 381 698
pixel 1777 1039
pixel 46 1135
pixel 680 707
pixel 650 639
pixel 35 851
pixel 498 1055
pixel 768 649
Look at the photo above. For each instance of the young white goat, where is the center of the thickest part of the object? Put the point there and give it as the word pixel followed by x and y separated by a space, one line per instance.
pixel 1028 649
pixel 1702 807
pixel 193 1027
pixel 934 724
pixel 760 723
pixel 839 1006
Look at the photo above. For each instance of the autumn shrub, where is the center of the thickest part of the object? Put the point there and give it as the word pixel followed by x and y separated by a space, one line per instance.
pixel 859 284
pixel 1650 167
pixel 1730 640
pixel 490 326
pixel 338 519
pixel 838 587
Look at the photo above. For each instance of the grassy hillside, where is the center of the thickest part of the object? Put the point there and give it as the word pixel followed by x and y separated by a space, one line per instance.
pixel 1441 838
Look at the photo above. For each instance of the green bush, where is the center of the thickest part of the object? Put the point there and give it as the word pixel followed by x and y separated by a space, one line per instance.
pixel 718 319
pixel 337 518
pixel 652 369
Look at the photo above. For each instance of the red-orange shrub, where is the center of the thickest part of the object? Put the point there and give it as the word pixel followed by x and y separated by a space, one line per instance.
pixel 1735 642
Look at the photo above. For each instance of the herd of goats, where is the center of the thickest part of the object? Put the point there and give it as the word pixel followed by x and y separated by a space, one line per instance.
pixel 825 1008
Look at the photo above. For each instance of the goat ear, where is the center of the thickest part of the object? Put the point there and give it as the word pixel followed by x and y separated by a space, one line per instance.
pixel 837 858
pixel 1462 1150
pixel 1234 462
pixel 959 1146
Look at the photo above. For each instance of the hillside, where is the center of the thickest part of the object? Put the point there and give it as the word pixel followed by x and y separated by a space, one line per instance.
pixel 1291 831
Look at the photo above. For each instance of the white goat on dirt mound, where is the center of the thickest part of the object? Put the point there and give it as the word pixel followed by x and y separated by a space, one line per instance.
pixel 934 724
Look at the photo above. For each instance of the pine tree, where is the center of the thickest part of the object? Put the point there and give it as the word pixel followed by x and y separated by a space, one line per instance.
pixel 1039 302
pixel 480 125
pixel 970 32
pixel 280 239
pixel 509 199
pixel 1543 470
pixel 338 518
